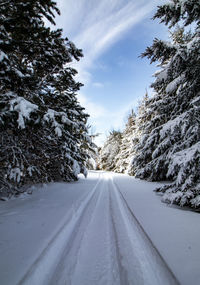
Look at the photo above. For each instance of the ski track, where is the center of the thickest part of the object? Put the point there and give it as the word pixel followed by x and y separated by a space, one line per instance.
pixel 100 243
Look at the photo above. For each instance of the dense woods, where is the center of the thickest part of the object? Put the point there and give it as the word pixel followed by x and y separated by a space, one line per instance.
pixel 43 131
pixel 166 131
pixel 44 134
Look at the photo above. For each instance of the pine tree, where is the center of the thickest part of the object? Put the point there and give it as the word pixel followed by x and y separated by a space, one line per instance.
pixel 109 151
pixel 139 135
pixel 171 149
pixel 42 125
pixel 92 149
pixel 126 146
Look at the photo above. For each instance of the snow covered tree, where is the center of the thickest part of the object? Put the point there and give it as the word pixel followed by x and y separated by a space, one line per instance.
pixel 92 149
pixel 126 147
pixel 138 136
pixel 42 125
pixel 120 148
pixel 170 146
pixel 109 151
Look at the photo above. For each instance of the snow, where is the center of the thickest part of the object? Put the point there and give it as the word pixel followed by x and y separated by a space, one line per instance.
pixel 51 116
pixel 58 131
pixel 31 169
pixel 110 150
pixel 107 229
pixel 76 168
pixel 162 73
pixel 66 120
pixel 184 156
pixel 196 101
pixel 19 73
pixel 174 231
pixel 196 200
pixel 92 162
pixel 172 86
pixel 192 43
pixel 24 109
pixel 171 125
pixel 15 174
pixel 2 56
pixel 28 224
pixel 182 159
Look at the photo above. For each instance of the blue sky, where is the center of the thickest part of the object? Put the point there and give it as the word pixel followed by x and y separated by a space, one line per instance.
pixel 112 34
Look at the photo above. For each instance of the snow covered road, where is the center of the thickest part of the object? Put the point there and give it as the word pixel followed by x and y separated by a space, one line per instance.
pixel 98 241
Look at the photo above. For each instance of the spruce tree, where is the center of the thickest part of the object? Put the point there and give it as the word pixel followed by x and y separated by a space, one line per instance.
pixel 92 149
pixel 126 146
pixel 109 151
pixel 42 125
pixel 139 135
pixel 171 149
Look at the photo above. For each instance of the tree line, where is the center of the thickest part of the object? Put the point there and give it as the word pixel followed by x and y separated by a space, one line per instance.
pixel 162 141
pixel 43 128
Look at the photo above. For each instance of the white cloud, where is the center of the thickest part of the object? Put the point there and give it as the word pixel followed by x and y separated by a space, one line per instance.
pixel 102 34
pixel 104 120
pixel 95 110
pixel 98 84
pixel 96 25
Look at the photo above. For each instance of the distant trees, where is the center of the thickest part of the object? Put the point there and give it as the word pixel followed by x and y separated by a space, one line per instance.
pixel 92 149
pixel 110 150
pixel 43 133
pixel 172 136
pixel 166 135
pixel 139 135
pixel 120 148
pixel 126 146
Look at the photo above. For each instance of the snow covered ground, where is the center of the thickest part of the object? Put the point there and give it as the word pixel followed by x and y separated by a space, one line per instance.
pixel 106 229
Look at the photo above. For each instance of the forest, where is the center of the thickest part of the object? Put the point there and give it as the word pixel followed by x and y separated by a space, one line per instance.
pixel 44 131
pixel 162 141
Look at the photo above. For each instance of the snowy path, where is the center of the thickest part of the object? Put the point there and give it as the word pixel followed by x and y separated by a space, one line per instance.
pixel 100 242
pixel 91 232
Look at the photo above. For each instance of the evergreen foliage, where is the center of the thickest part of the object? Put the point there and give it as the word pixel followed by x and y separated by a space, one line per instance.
pixel 126 147
pixel 170 144
pixel 92 150
pixel 110 150
pixel 42 125
pixel 119 150
pixel 139 134
pixel 162 142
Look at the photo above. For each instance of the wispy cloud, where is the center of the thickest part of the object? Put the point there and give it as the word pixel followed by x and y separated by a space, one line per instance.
pixel 98 84
pixel 96 25
pixel 104 119
pixel 100 32
pixel 95 110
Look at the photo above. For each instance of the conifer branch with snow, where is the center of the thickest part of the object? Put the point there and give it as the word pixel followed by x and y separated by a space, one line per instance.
pixel 42 125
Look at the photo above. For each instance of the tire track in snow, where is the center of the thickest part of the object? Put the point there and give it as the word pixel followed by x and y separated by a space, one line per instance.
pixel 41 270
pixel 122 273
pixel 71 266
pixel 113 249
pixel 102 244
pixel 95 260
pixel 140 262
